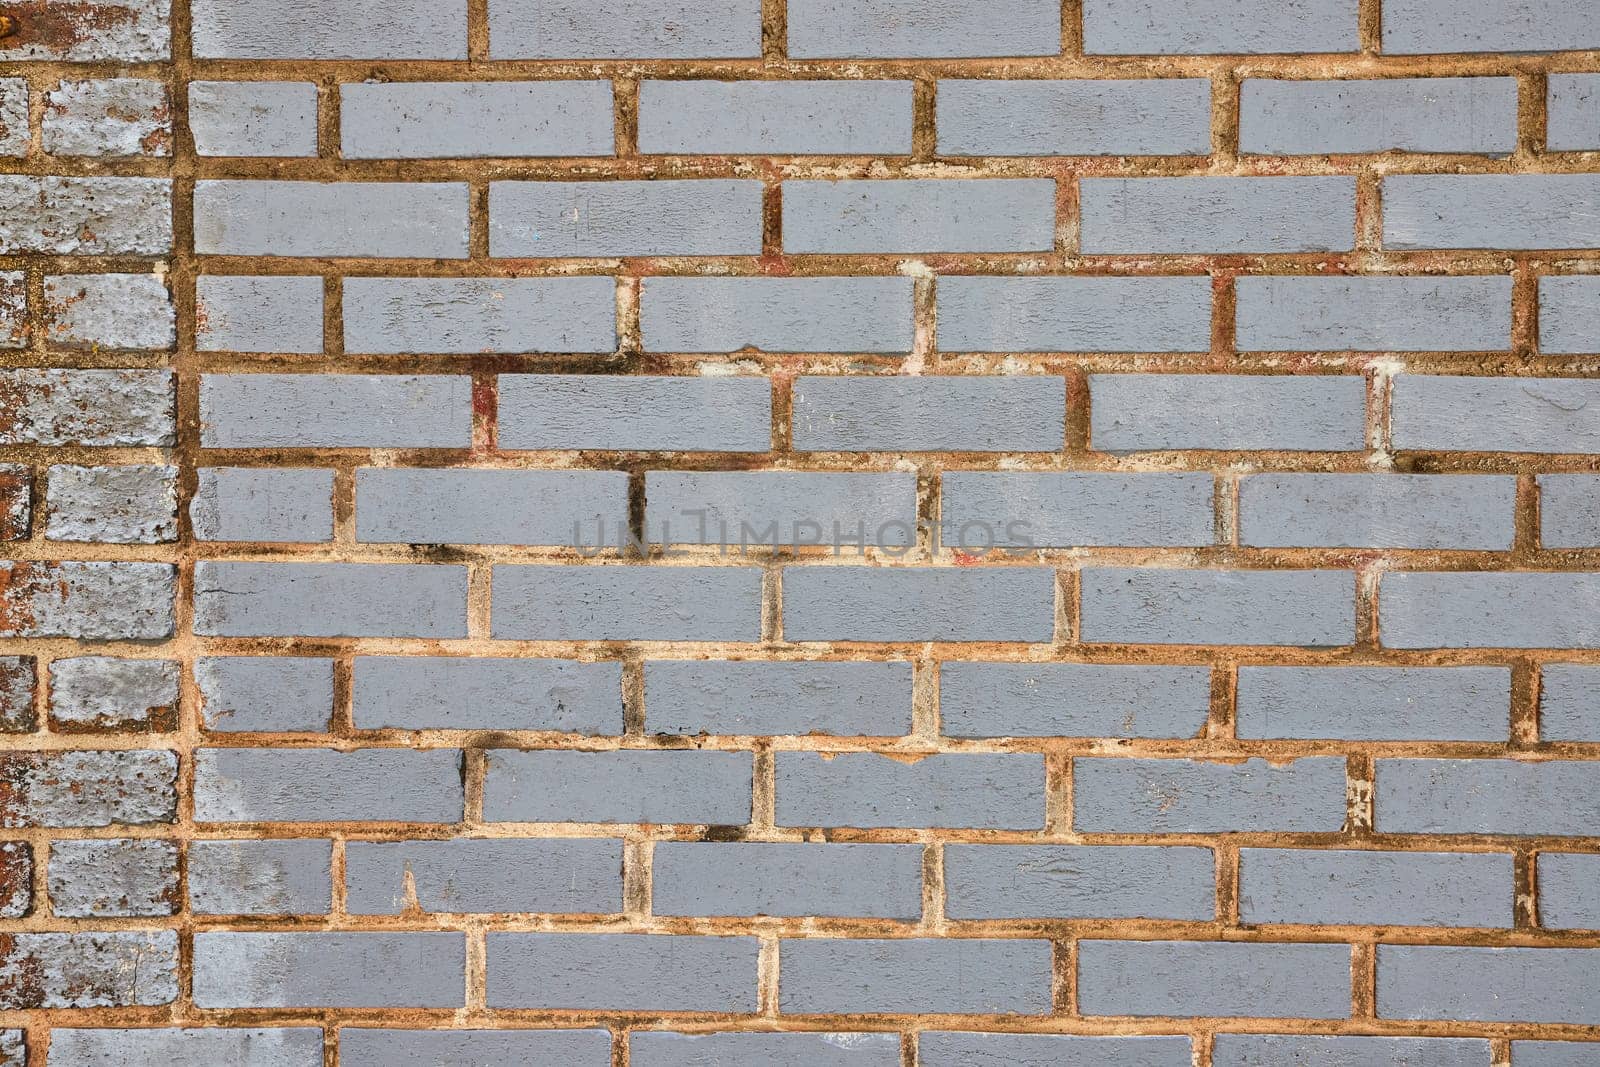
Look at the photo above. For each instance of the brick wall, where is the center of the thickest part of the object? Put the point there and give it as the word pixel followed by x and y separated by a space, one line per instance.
pixel 425 428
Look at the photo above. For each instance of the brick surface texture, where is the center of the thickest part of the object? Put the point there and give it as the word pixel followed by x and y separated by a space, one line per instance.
pixel 856 533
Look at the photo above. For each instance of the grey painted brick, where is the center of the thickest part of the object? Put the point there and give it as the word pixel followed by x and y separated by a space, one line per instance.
pixel 1278 117
pixel 916 215
pixel 918 604
pixel 40 406
pixel 1569 312
pixel 1549 985
pixel 820 29
pixel 16 892
pixel 1553 1053
pixel 14 133
pixel 952 1049
pixel 477 315
pixel 107 117
pixel 1079 882
pixel 1471 610
pixel 744 878
pixel 463 875
pixel 260 314
pixel 1487 796
pixel 777 314
pixel 1152 27
pixel 79 788
pixel 330 600
pixel 434 120
pixel 110 693
pixel 362 1047
pixel 1503 211
pixel 314 970
pixel 1217 607
pixel 766 699
pixel 107 311
pixel 118 877
pixel 335 29
pixel 915 975
pixel 275 1047
pixel 961 790
pixel 1423 26
pixel 124 30
pixel 87 216
pixel 1314 314
pixel 477 507
pixel 260 877
pixel 680 786
pixel 1377 511
pixel 323 785
pixel 1121 795
pixel 937 413
pixel 1375 703
pixel 15 331
pixel 291 218
pixel 694 217
pixel 1569 891
pixel 87 601
pixel 1074 314
pixel 19 683
pixel 1072 700
pixel 1573 112
pixel 458 693
pixel 1273 1050
pixel 624 29
pixel 781 507
pixel 135 505
pixel 657 1049
pixel 1217 215
pixel 241 693
pixel 1374 888
pixel 263 504
pixel 1089 117
pixel 627 603
pixel 335 410
pixel 615 412
pixel 1134 412
pixel 89 970
pixel 1071 508
pixel 775 118
pixel 1569 696
pixel 627 971
pixel 253 118
pixel 1496 414
pixel 1211 978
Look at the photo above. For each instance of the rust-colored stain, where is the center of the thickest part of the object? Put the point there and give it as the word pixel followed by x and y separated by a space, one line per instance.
pixel 58 25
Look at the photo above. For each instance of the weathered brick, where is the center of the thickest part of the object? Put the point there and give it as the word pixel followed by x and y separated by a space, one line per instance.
pixel 16 882
pixel 1011 413
pixel 1078 882
pixel 1218 215
pixel 464 875
pixel 87 601
pixel 253 118
pixel 88 970
pixel 1072 700
pixel 1551 985
pixel 1504 211
pixel 335 411
pixel 1151 27
pixel 1314 608
pixel 364 1047
pixel 15 331
pixel 16 501
pixel 1124 795
pixel 961 790
pixel 777 314
pixel 432 120
pixel 1420 26
pixel 1282 117
pixel 1364 888
pixel 109 878
pixel 288 1047
pixel 19 678
pixel 616 412
pixel 475 315
pixel 1271 1050
pixel 1465 609
pixel 262 504
pixel 1487 796
pixel 292 218
pixel 260 877
pixel 744 878
pixel 13 1048
pixel 258 314
pixel 128 31
pixel 918 604
pixel 241 693
pixel 1573 106
pixel 627 971
pixel 981 509
pixel 13 117
pixel 1310 314
pixel 107 117
pixel 314 970
pixel 108 310
pixel 454 693
pixel 775 118
pixel 482 507
pixel 1136 412
pixel 658 1049
pixel 1569 696
pixel 963 1049
pixel 86 407
pixel 1089 117
pixel 89 788
pixel 324 785
pixel 1213 978
pixel 780 508
pixel 135 505
pixel 329 600
pixel 948 215
pixel 624 29
pixel 1569 891
pixel 1375 703
pixel 105 693
pixel 338 29
pixel 626 603
pixel 680 786
pixel 1481 414
pixel 1377 511
pixel 704 217
pixel 923 28
pixel 964 975
pixel 766 699
pixel 86 216
pixel 1569 313
pixel 1077 314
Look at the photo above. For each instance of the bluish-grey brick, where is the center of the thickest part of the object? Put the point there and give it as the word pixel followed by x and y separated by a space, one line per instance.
pixel 1217 215
pixel 1499 211
pixel 1089 117
pixel 290 877
pixel 89 601
pixel 460 693
pixel 1365 888
pixel 438 120
pixel 299 1046
pixel 919 215
pixel 953 1049
pixel 1218 27
pixel 1377 511
pixel 1569 702
pixel 90 970
pixel 340 29
pixel 335 411
pixel 1487 796
pixel 937 413
pixel 1213 978
pixel 1072 700
pixel 748 878
pixel 1553 1053
pixel 99 311
pixel 46 406
pixel 263 504
pixel 981 509
pixel 121 877
pixel 624 29
pixel 478 315
pixel 616 412
pixel 631 972
pixel 1129 605
pixel 1074 314
pixel 777 314
pixel 485 876
pixel 126 31
pixel 1375 703
pixel 1137 412
pixel 253 118
pixel 1506 414
pixel 659 1049
pixel 1274 1050
pixel 1434 26
pixel 1536 985
pixel 915 975
pixel 887 29
pixel 1142 796
pixel 258 314
pixel 1569 891
pixel 478 507
pixel 704 217
pixel 106 117
pixel 89 788
pixel 1573 112
pixel 918 604
pixel 1569 311
pixel 289 218
pixel 1079 882
pixel 364 1047
pixel 87 216
pixel 775 118
pixel 1281 117
pixel 324 785
pixel 1467 609
pixel 763 698
pixel 960 790
pixel 315 970
pixel 661 787
pixel 131 505
pixel 627 603
pixel 781 507
pixel 329 600
pixel 1393 314
pixel 272 693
